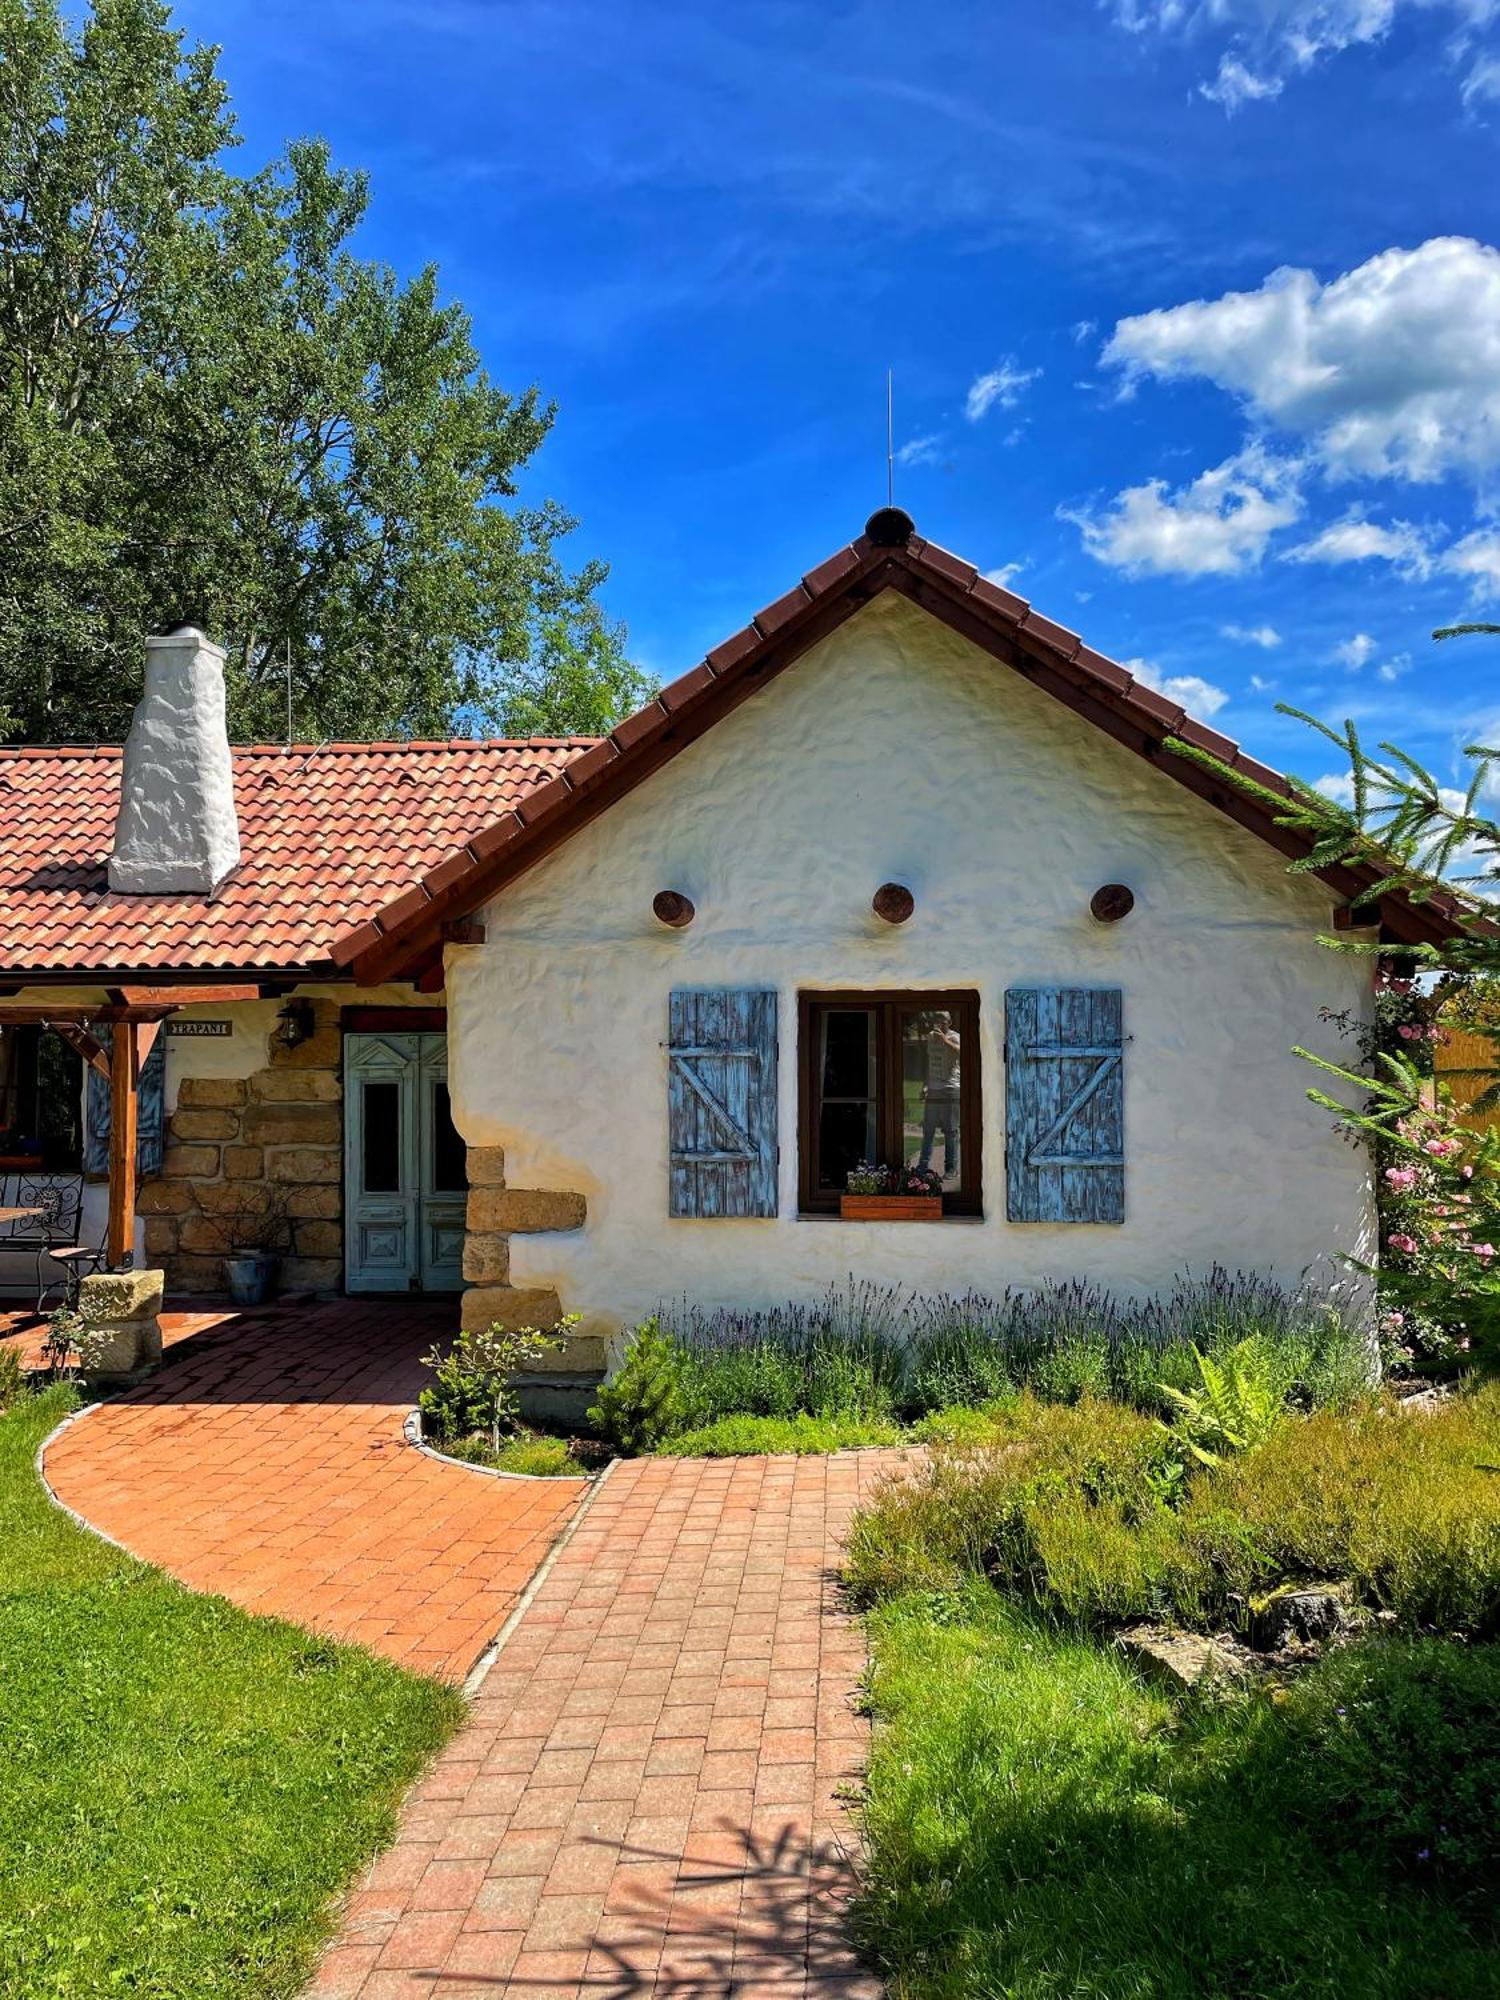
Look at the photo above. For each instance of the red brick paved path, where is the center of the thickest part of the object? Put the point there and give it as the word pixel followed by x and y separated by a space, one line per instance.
pixel 266 1463
pixel 647 1799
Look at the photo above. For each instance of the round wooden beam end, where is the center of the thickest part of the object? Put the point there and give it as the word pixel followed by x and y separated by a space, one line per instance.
pixel 672 909
pixel 893 902
pixel 1113 901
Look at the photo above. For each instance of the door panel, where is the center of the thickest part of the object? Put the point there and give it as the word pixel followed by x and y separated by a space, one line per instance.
pixel 442 1178
pixel 405 1186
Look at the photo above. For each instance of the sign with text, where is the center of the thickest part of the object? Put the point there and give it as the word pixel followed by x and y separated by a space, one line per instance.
pixel 205 1030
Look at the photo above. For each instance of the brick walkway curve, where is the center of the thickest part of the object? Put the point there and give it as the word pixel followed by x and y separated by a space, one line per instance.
pixel 266 1463
pixel 650 1797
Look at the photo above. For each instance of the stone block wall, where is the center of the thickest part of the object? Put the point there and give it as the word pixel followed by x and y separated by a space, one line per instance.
pixel 495 1213
pixel 241 1146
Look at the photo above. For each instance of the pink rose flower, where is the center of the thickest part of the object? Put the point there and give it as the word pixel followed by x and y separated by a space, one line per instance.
pixel 1405 1244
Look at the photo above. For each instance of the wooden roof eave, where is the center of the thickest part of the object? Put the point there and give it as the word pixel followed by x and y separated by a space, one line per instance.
pixel 402 938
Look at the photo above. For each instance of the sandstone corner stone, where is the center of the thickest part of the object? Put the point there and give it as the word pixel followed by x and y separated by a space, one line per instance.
pixel 486 1260
pixel 511 1209
pixel 121 1295
pixel 486 1165
pixel 509 1306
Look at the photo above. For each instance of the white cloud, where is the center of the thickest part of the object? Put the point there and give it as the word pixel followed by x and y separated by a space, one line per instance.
pixel 1190 691
pixel 1218 525
pixel 1002 386
pixel 1236 85
pixel 1084 330
pixel 1287 38
pixel 1391 369
pixel 1482 84
pixel 1392 670
pixel 1336 785
pixel 1404 545
pixel 1258 685
pixel 1264 636
pixel 1004 576
pixel 920 450
pixel 1356 651
pixel 1476 557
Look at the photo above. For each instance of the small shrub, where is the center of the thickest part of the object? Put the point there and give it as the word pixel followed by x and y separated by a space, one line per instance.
pixel 1085 1509
pixel 530 1452
pixel 473 1393
pixel 643 1402
pixel 735 1437
pixel 1402 1744
pixel 1235 1407
pixel 12 1380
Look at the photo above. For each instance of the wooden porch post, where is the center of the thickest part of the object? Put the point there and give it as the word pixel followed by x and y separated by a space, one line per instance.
pixel 123 1104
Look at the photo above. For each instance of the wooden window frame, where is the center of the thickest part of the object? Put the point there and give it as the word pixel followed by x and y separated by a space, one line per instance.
pixel 963 1003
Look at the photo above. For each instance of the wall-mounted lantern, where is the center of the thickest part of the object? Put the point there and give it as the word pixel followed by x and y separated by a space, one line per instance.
pixel 295 1024
pixel 673 909
pixel 893 902
pixel 1113 901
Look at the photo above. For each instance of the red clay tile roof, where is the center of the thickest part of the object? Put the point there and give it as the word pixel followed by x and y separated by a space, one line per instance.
pixel 406 937
pixel 328 834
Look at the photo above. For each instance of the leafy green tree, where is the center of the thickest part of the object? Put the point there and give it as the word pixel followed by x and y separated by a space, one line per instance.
pixel 211 406
pixel 1439 1174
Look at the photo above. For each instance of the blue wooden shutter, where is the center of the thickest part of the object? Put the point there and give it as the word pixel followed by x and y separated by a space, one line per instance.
pixel 1064 1104
pixel 721 1103
pixel 151 1116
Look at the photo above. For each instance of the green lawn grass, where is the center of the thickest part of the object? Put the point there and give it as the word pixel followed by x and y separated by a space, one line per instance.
pixel 183 1788
pixel 1042 1825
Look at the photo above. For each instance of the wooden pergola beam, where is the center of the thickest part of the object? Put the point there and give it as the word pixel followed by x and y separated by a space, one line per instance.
pixel 124 1106
pixel 82 1042
pixel 183 996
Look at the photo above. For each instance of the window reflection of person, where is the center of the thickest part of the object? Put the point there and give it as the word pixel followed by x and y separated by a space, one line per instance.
pixel 940 1091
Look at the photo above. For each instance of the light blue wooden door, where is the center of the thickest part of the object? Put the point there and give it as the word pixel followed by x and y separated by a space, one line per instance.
pixel 442 1177
pixel 381 1180
pixel 404 1180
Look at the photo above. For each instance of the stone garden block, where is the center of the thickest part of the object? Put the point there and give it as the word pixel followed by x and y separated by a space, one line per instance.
pixel 122 1311
pixel 164 1198
pixel 292 1125
pixel 486 1166
pixel 207 1124
pixel 296 1086
pixel 210 1093
pixel 244 1163
pixel 193 1162
pixel 324 1204
pixel 305 1163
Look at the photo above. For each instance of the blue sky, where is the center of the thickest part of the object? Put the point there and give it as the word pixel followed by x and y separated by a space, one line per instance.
pixel 1192 304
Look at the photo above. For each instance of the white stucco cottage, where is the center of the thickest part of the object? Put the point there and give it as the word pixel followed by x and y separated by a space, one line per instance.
pixel 901 872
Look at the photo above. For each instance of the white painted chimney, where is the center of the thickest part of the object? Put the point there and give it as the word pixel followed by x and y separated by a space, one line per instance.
pixel 176 832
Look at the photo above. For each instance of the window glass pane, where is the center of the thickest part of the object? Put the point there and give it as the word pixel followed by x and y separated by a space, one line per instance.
pixel 931 1062
pixel 380 1104
pixel 846 1114
pixel 848 1059
pixel 450 1174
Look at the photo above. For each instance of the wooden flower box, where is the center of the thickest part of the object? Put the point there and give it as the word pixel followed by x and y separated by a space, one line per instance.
pixel 891 1207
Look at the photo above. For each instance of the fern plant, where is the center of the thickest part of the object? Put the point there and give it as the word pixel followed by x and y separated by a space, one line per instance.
pixel 1235 1407
pixel 644 1401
